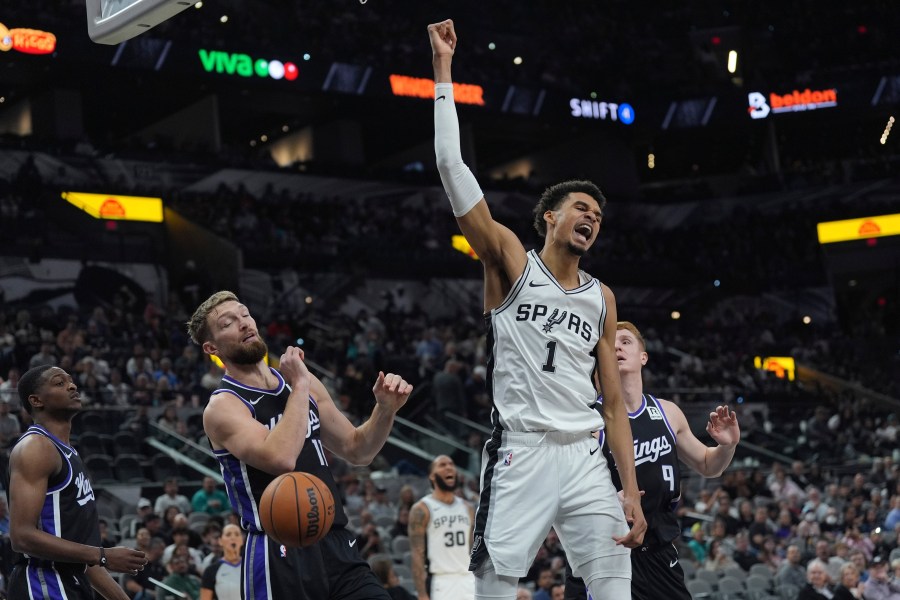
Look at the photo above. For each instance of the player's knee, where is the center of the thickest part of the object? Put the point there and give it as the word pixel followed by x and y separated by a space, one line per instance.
pixel 490 586
pixel 615 568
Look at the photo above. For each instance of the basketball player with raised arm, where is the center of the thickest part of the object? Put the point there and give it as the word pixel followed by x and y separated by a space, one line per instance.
pixel 440 537
pixel 661 438
pixel 550 328
pixel 53 512
pixel 264 422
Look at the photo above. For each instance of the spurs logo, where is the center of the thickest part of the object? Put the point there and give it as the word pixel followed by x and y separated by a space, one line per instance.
pixel 554 319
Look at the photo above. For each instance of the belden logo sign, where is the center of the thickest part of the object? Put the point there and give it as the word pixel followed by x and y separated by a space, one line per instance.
pixel 794 101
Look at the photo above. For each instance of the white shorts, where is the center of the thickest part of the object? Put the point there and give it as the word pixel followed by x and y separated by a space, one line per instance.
pixel 530 481
pixel 455 586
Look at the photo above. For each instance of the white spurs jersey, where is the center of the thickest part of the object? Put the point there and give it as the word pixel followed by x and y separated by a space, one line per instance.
pixel 449 535
pixel 542 343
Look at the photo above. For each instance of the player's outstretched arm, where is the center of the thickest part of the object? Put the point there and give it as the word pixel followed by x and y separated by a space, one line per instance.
pixel 418 522
pixel 228 423
pixel 359 445
pixel 722 427
pixel 618 428
pixel 496 245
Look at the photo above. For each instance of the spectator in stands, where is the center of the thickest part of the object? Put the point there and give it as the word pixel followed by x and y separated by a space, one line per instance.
pixel 139 586
pixel 383 567
pixel 209 499
pixel 760 529
pixel 850 588
pixel 817 587
pixel 379 505
pixel 181 579
pixel 743 556
pixel 139 364
pixel 181 537
pixel 171 497
pixel 718 558
pixel 523 593
pixel 880 586
pixel 107 538
pixel 370 542
pixel 118 393
pixel 723 511
pixel 4 515
pixel 401 525
pixel 8 388
pixel 791 570
pixel 44 357
pixel 10 427
pixel 543 584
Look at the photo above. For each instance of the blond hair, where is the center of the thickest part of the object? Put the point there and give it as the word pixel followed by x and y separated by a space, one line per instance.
pixel 629 326
pixel 197 327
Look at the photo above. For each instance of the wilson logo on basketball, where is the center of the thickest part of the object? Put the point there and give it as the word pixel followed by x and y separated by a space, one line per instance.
pixel 312 517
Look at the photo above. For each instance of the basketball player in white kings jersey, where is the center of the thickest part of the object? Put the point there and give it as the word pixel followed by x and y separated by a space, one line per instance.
pixel 440 537
pixel 551 326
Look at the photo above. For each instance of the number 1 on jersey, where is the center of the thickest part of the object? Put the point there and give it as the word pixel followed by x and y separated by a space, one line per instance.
pixel 551 352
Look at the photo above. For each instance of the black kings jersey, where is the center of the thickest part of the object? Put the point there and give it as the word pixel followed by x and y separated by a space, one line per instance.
pixel 245 484
pixel 69 511
pixel 656 466
pixel 541 344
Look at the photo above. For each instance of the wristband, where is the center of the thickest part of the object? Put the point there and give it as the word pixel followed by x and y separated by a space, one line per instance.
pixel 102 562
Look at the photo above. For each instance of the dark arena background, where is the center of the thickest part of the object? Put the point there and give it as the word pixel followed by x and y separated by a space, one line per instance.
pixel 285 151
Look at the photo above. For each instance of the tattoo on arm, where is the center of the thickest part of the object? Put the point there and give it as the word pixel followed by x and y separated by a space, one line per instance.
pixel 418 520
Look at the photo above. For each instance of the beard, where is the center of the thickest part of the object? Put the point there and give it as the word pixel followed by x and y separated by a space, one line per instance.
pixel 576 250
pixel 442 485
pixel 249 354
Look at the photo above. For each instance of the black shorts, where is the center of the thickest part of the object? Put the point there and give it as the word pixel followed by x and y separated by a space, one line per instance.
pixel 332 569
pixel 44 583
pixel 656 574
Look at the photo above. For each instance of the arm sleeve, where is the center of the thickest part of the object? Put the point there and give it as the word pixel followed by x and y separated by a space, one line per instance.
pixel 460 184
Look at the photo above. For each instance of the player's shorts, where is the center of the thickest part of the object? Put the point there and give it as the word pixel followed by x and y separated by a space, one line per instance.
pixel 331 569
pixel 49 583
pixel 530 481
pixel 656 574
pixel 456 586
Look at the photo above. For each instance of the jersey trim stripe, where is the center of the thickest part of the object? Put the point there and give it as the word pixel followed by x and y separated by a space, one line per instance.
pixel 479 547
pixel 37 430
pixel 516 288
pixel 640 409
pixel 584 286
pixel 275 391
pixel 45 583
pixel 237 486
pixel 258 585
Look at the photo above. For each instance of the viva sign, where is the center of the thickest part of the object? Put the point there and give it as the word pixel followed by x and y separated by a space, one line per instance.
pixel 244 66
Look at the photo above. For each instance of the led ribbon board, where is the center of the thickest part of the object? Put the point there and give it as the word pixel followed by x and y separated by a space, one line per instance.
pixel 858 229
pixel 117 208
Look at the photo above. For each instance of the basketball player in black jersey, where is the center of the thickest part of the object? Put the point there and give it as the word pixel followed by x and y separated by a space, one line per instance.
pixel 661 438
pixel 263 422
pixel 53 514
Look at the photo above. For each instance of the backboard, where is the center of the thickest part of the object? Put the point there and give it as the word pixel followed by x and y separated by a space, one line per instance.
pixel 114 21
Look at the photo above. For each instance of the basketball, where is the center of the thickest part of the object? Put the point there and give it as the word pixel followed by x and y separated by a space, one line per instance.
pixel 297 509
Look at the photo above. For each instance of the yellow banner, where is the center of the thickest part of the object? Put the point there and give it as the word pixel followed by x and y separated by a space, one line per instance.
pixel 782 366
pixel 858 229
pixel 462 244
pixel 117 208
